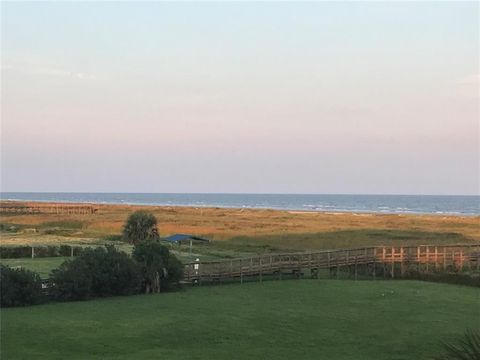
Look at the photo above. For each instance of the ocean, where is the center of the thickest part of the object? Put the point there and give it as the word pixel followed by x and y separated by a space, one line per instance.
pixel 386 204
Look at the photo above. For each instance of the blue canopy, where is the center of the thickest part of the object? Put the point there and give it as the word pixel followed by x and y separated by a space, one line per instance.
pixel 185 237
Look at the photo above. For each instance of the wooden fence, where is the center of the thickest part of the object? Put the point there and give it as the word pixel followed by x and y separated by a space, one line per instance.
pixel 15 208
pixel 428 257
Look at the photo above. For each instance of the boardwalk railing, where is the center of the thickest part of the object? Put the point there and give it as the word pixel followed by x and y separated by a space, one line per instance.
pixel 17 208
pixel 439 257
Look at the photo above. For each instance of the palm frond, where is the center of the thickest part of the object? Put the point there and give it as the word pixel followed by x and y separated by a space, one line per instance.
pixel 464 348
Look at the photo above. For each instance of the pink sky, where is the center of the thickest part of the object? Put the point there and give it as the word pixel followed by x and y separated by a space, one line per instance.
pixel 254 97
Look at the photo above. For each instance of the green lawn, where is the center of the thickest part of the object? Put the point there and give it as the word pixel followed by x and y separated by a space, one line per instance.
pixel 303 319
pixel 43 266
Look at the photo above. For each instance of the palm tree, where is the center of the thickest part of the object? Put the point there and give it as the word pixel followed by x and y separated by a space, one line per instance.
pixel 141 225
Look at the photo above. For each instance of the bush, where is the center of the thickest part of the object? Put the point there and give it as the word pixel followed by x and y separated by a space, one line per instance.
pixel 99 272
pixel 46 251
pixel 114 238
pixel 160 268
pixel 15 252
pixel 457 278
pixel 64 224
pixel 140 226
pixel 9 228
pixel 19 287
pixel 65 250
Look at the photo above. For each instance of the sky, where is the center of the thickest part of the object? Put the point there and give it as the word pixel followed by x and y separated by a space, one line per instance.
pixel 240 97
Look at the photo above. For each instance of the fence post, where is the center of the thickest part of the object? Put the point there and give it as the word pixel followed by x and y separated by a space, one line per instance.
pixel 337 267
pixel 444 258
pixel 199 273
pixel 261 268
pixel 328 265
pixel 393 262
pixel 251 267
pixel 384 263
pixel 418 259
pixel 241 272
pixel 33 252
pixel 427 255
pixel 355 267
pixel 402 256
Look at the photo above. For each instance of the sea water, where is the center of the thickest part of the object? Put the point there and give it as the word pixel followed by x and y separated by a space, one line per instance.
pixel 388 204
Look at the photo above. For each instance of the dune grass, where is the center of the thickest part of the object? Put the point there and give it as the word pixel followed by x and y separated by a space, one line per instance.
pixel 322 229
pixel 304 319
pixel 348 239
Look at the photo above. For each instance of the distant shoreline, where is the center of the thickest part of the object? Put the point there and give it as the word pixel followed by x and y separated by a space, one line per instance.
pixel 212 207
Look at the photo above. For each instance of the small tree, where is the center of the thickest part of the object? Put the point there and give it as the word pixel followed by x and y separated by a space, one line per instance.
pixel 160 268
pixel 140 226
pixel 19 287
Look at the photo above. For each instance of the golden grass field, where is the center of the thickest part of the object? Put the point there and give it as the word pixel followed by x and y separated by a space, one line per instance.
pixel 247 227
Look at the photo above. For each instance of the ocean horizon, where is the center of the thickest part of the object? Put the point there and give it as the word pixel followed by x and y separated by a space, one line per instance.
pixel 383 204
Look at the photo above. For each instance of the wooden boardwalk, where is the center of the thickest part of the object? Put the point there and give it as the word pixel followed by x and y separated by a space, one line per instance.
pixel 389 259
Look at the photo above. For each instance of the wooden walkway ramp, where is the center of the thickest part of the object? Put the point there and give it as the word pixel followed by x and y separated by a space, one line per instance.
pixel 390 259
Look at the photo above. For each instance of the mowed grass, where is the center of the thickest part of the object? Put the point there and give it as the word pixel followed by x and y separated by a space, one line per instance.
pixel 43 266
pixel 303 319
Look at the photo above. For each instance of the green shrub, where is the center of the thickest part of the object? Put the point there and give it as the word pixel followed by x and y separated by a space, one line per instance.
pixel 99 272
pixel 47 251
pixel 141 225
pixel 114 238
pixel 9 228
pixel 64 224
pixel 19 287
pixel 161 270
pixel 15 252
pixel 65 250
pixel 458 278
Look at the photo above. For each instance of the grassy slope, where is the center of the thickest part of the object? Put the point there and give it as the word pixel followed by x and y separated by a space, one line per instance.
pixel 274 320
